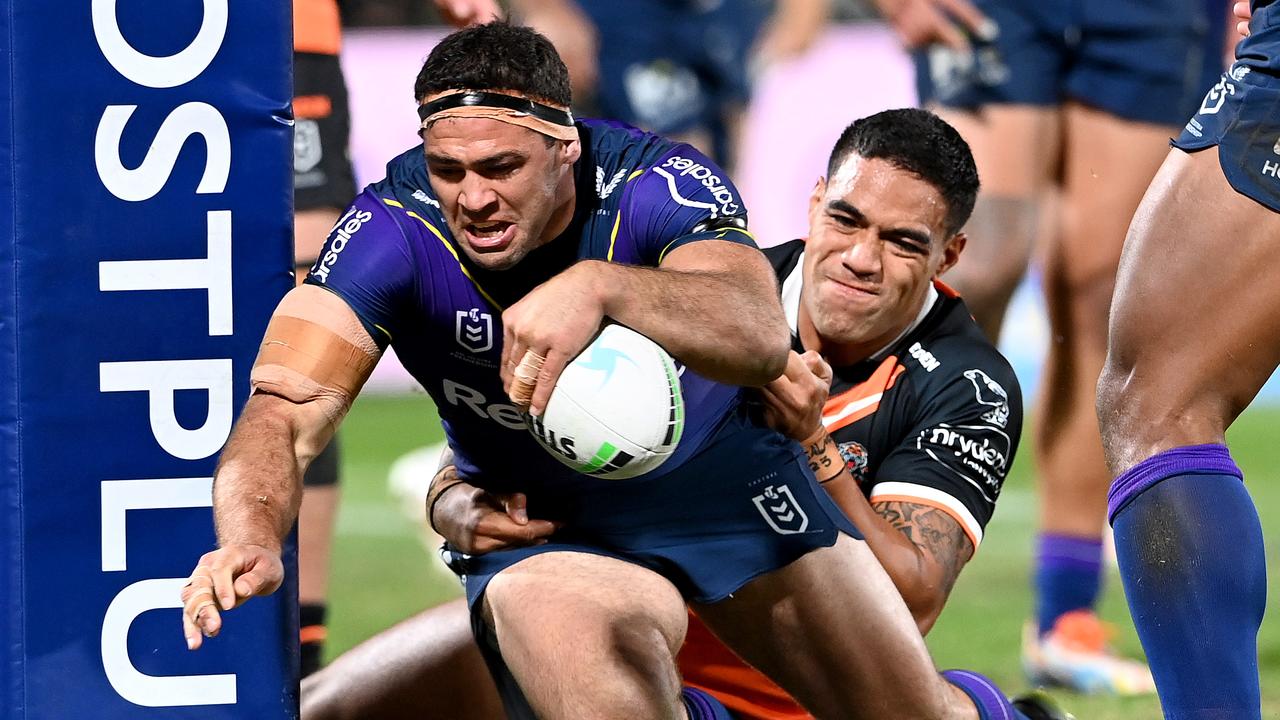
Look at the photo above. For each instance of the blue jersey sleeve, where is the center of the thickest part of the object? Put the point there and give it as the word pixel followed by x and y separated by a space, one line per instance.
pixel 367 262
pixel 683 197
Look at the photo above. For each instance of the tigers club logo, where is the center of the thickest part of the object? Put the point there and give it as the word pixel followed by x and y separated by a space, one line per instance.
pixel 855 459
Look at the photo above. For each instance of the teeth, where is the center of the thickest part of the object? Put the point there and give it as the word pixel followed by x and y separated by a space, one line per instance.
pixel 488 228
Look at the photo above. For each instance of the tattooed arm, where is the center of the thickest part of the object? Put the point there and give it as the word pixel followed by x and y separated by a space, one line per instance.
pixel 921 547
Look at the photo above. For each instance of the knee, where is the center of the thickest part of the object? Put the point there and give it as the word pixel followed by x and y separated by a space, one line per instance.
pixel 1118 403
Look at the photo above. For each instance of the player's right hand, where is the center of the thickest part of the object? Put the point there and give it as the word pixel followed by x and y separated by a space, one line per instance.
pixel 920 23
pixel 225 579
pixel 475 521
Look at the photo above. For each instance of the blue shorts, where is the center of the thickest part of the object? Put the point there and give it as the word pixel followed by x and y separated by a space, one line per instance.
pixel 671 66
pixel 1141 60
pixel 746 505
pixel 1241 114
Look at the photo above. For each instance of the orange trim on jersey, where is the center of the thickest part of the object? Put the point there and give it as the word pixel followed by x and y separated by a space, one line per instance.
pixel 312 107
pixel 945 289
pixel 312 633
pixel 705 663
pixel 317 27
pixel 865 393
pixel 935 505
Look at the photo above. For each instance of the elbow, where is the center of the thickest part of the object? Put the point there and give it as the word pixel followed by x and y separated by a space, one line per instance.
pixel 925 605
pixel 769 352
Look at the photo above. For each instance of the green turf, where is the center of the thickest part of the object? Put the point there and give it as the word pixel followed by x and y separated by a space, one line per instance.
pixel 381 572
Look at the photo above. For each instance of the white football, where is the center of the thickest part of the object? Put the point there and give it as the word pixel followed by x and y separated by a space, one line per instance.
pixel 617 410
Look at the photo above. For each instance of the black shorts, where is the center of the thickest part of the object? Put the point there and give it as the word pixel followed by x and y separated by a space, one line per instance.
pixel 322 176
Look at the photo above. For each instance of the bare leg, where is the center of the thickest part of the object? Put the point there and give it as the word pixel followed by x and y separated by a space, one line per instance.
pixel 588 636
pixel 876 666
pixel 1193 331
pixel 1195 317
pixel 1014 147
pixel 1108 164
pixel 426 668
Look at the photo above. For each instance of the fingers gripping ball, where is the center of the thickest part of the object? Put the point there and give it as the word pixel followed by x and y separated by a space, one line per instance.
pixel 617 410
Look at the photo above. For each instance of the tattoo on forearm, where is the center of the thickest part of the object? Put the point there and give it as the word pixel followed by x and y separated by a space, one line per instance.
pixel 824 458
pixel 936 533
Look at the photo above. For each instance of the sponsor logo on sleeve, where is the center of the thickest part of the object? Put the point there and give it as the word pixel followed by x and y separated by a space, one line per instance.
pixel 979 454
pixel 990 394
pixel 725 203
pixel 779 508
pixel 345 229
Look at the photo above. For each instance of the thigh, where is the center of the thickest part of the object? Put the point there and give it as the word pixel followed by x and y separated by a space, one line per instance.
pixel 425 667
pixel 1195 315
pixel 1108 162
pixel 1015 147
pixel 833 631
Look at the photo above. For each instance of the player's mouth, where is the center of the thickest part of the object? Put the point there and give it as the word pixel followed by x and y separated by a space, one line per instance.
pixel 853 290
pixel 492 235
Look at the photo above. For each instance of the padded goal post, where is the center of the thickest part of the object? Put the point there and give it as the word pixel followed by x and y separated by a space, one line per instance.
pixel 147 237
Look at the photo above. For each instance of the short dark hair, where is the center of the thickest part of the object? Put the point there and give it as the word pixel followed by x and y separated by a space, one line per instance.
pixel 920 143
pixel 496 56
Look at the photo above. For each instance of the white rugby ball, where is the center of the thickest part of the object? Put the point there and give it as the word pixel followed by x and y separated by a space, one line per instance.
pixel 617 410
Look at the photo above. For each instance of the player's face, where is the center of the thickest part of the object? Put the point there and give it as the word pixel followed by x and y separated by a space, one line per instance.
pixel 877 238
pixel 498 185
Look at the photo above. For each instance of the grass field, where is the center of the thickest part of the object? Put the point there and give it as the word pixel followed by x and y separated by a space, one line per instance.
pixel 382 574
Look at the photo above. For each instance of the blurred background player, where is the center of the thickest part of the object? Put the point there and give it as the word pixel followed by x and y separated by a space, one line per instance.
pixel 1193 339
pixel 1076 99
pixel 323 184
pixel 679 68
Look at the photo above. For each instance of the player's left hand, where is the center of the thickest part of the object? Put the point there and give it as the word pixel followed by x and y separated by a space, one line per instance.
pixel 545 330
pixel 793 403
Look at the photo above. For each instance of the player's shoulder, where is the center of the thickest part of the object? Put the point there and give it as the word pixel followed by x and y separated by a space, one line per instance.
pixel 948 353
pixel 653 170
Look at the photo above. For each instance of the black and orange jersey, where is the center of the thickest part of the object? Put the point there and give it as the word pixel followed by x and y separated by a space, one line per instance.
pixel 933 419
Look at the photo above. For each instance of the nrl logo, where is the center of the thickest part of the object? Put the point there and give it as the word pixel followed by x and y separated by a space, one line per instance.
pixel 781 511
pixel 475 330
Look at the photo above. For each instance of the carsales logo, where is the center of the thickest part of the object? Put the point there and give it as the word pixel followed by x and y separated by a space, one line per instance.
pixel 725 202
pixel 347 226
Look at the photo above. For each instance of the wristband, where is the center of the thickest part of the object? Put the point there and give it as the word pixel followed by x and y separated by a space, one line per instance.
pixel 431 509
pixel 824 456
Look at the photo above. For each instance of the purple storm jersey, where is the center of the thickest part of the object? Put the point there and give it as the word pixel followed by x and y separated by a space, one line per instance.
pixel 392 258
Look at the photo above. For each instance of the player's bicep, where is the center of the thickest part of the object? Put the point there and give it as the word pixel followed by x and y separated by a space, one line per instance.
pixel 940 538
pixel 316 354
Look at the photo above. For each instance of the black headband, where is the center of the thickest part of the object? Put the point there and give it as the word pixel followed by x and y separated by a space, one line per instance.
pixel 473 98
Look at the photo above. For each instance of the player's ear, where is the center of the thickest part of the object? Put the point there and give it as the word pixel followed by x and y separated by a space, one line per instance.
pixel 819 190
pixel 570 151
pixel 951 252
